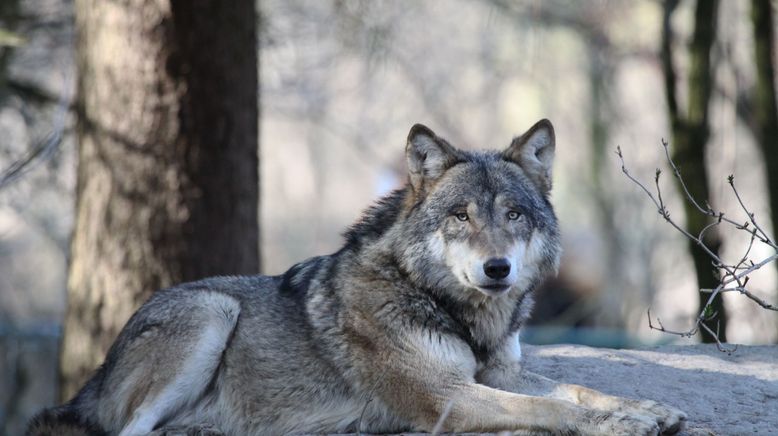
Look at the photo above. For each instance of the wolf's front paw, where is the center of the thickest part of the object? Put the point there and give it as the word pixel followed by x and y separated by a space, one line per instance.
pixel 670 419
pixel 619 423
pixel 622 424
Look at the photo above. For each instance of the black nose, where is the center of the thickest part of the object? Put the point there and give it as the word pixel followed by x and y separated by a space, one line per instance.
pixel 497 268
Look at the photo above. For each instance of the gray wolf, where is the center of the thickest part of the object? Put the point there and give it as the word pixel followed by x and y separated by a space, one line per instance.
pixel 413 323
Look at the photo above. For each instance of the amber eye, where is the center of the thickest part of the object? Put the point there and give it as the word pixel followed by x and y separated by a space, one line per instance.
pixel 513 215
pixel 461 216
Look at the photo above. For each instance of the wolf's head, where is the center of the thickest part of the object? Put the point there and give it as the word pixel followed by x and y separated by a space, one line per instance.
pixel 480 223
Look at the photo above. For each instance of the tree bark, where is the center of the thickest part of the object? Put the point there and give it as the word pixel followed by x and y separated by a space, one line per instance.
pixel 690 138
pixel 167 185
pixel 765 110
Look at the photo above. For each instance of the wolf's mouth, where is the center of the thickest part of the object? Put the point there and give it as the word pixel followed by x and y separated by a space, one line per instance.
pixel 490 289
pixel 494 289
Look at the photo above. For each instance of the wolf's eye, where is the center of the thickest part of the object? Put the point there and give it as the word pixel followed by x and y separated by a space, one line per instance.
pixel 513 215
pixel 461 216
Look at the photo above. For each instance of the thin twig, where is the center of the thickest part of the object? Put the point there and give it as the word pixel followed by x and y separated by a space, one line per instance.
pixel 661 328
pixel 701 236
pixel 715 336
pixel 765 238
pixel 677 174
pixel 752 268
pixel 629 176
pixel 746 293
pixel 744 258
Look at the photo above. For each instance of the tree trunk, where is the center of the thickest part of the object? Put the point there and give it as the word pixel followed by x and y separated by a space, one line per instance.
pixel 690 138
pixel 764 99
pixel 168 165
pixel 9 16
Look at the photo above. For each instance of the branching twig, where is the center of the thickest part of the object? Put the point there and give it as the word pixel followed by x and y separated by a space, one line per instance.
pixel 737 273
pixel 745 292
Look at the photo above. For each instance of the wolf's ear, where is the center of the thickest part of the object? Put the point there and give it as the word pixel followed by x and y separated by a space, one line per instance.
pixel 428 157
pixel 534 152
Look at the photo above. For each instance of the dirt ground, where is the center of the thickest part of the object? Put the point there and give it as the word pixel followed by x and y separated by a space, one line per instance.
pixel 722 394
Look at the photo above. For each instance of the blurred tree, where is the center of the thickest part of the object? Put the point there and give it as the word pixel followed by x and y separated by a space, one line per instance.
pixel 765 110
pixel 9 15
pixel 168 166
pixel 590 22
pixel 690 132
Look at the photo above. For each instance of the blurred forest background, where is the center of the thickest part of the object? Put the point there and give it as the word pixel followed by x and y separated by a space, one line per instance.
pixel 189 166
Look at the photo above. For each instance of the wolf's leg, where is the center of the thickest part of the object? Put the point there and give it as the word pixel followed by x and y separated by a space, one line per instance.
pixel 426 378
pixel 504 371
pixel 171 365
pixel 509 376
pixel 470 407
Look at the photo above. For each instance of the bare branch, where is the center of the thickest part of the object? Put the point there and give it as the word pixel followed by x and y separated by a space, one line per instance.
pixel 729 273
pixel 637 182
pixel 747 293
pixel 677 173
pixel 719 345
pixel 687 334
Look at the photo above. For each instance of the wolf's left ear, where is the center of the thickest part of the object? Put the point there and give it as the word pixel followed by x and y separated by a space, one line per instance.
pixel 534 152
pixel 428 157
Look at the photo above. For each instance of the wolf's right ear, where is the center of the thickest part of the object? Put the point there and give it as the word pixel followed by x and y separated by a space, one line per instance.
pixel 534 153
pixel 428 157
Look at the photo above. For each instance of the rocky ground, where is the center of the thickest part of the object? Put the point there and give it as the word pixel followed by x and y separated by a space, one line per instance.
pixel 722 394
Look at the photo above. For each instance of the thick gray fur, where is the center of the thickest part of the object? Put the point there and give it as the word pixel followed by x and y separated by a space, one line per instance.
pixel 418 314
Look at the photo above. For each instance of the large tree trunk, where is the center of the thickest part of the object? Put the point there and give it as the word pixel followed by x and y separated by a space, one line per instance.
pixel 690 138
pixel 764 100
pixel 168 166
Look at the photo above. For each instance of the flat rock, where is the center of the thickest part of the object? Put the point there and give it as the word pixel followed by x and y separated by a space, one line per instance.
pixel 723 394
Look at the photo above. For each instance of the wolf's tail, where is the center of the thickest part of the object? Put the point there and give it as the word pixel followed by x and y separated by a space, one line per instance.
pixel 62 421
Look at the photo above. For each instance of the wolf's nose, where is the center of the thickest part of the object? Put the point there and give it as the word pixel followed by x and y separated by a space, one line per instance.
pixel 497 268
